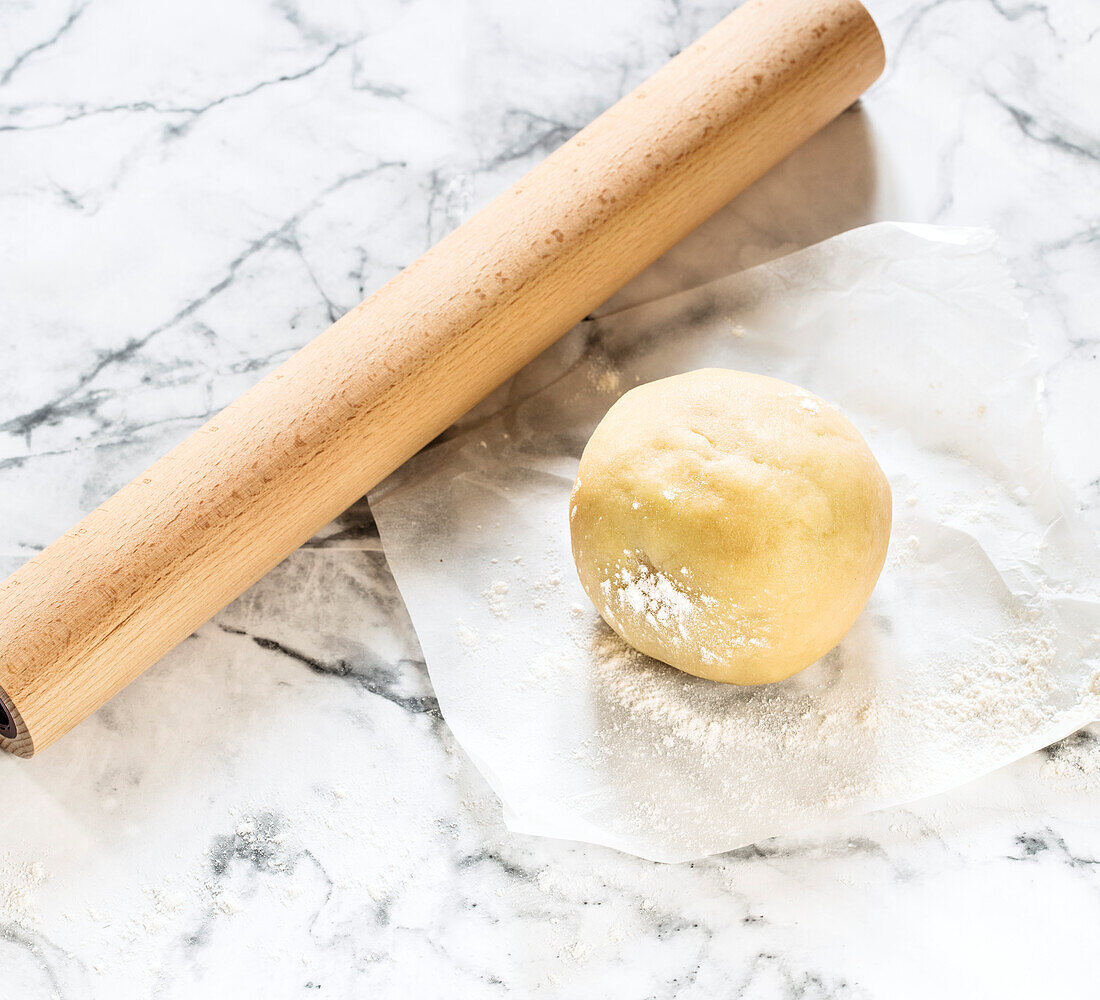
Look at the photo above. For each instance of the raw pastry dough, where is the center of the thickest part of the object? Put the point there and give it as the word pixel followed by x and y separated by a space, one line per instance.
pixel 729 524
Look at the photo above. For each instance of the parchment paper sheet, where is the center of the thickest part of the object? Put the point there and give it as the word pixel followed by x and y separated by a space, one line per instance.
pixel 981 642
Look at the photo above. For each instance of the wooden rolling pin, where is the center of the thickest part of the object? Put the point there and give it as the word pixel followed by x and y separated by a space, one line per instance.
pixel 88 614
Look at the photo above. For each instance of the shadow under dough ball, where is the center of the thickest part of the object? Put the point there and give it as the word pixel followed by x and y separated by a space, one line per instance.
pixel 729 524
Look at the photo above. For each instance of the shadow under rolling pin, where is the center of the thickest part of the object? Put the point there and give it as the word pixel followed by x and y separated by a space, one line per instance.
pixel 92 611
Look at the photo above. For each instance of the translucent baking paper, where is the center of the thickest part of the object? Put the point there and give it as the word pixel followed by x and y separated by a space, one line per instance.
pixel 981 642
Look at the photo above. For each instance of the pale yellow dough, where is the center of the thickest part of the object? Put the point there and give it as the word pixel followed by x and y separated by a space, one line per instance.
pixel 729 524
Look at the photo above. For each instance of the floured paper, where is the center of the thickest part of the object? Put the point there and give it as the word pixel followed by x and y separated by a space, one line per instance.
pixel 980 644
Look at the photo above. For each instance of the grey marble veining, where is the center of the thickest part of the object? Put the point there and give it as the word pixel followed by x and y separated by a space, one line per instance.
pixel 188 193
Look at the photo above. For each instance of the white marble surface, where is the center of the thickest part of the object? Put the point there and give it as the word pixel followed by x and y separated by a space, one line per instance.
pixel 188 192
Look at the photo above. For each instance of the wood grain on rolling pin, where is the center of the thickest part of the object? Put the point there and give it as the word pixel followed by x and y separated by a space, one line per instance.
pixel 140 573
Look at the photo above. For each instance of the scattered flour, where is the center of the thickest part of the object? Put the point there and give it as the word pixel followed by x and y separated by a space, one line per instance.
pixel 608 382
pixel 497 595
pixel 604 378
pixel 995 695
pixel 905 552
pixel 839 734
pixel 466 636
pixel 17 884
pixel 545 672
pixel 1074 763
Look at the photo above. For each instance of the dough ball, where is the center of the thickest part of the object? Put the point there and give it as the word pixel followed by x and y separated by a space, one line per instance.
pixel 729 524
